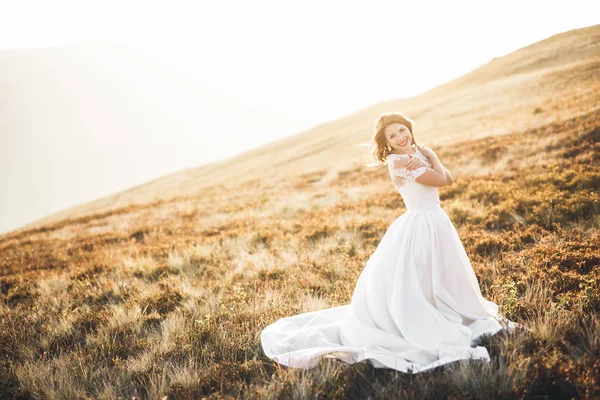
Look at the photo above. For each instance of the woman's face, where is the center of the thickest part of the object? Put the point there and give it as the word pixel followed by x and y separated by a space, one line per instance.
pixel 398 137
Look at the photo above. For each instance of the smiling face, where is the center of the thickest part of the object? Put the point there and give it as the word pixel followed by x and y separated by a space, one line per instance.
pixel 399 138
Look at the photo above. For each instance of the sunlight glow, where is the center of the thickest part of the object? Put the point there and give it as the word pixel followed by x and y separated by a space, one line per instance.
pixel 327 58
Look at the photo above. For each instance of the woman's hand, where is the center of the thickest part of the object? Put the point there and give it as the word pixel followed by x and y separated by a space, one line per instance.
pixel 415 162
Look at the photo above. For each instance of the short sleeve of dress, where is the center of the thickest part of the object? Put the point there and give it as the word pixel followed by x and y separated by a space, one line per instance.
pixel 399 173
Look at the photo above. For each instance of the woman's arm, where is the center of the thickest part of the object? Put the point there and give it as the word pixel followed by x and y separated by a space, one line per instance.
pixel 437 175
pixel 400 171
pixel 449 179
pixel 434 176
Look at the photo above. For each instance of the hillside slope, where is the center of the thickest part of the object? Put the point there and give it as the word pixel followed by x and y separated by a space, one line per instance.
pixel 84 120
pixel 549 81
pixel 168 297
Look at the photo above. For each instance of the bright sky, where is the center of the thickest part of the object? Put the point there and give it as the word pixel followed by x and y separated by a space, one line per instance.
pixel 327 58
pixel 306 61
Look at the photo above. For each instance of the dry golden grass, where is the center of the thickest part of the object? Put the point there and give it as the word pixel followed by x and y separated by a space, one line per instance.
pixel 168 298
pixel 174 304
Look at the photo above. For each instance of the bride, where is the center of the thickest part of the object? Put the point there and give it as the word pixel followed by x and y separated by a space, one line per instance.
pixel 417 303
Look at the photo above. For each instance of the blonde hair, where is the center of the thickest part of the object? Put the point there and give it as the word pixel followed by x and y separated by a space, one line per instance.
pixel 378 144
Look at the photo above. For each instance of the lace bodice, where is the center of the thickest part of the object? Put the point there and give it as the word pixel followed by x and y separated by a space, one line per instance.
pixel 414 194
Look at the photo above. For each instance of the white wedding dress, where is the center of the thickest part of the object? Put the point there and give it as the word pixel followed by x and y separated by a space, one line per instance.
pixel 416 305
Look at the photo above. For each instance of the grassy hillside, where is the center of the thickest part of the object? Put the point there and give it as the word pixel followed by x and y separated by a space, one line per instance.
pixel 169 297
pixel 549 81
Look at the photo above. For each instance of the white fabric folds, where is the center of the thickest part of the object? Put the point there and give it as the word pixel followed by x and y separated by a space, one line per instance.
pixel 416 305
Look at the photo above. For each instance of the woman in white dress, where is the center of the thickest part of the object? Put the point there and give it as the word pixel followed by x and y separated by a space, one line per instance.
pixel 417 303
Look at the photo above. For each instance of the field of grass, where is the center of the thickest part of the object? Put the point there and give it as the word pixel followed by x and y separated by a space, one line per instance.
pixel 169 298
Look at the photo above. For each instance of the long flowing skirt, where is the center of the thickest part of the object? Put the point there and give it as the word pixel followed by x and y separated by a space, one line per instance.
pixel 416 305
